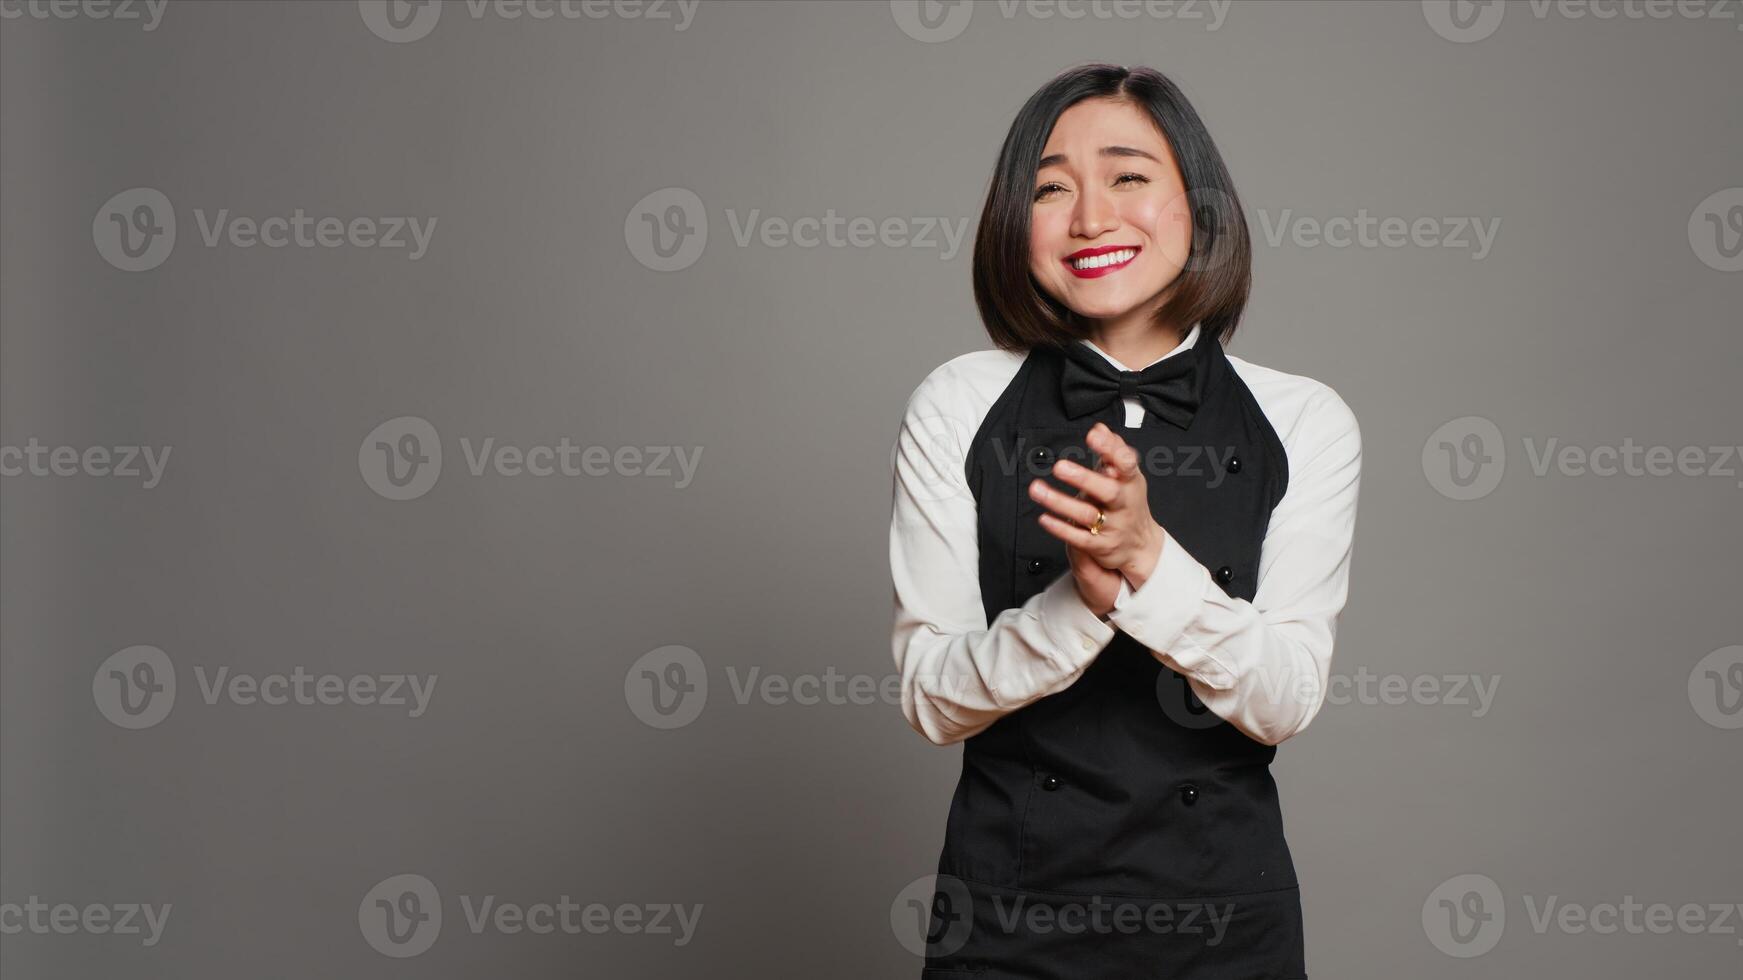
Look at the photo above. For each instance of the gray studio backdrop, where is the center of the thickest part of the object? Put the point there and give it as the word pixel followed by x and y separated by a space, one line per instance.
pixel 446 462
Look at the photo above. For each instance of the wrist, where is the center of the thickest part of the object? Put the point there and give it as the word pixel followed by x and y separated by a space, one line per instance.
pixel 1089 602
pixel 1143 563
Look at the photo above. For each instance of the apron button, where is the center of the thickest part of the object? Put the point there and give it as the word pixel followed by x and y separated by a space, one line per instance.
pixel 1234 464
pixel 1225 574
pixel 1035 566
pixel 1188 794
pixel 1050 783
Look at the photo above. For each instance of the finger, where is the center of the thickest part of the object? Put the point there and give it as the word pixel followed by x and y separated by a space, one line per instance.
pixel 1071 534
pixel 1102 489
pixel 1065 505
pixel 1114 451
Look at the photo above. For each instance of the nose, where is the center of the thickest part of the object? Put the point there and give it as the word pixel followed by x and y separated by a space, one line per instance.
pixel 1094 215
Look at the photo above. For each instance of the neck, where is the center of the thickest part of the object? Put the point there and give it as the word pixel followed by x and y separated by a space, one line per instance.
pixel 1135 340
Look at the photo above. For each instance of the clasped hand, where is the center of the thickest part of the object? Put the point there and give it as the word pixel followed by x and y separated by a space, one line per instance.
pixel 1129 541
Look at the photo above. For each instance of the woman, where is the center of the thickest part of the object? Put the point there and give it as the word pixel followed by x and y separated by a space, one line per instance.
pixel 1119 557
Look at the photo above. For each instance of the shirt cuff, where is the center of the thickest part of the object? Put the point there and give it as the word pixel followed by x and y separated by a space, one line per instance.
pixel 1159 613
pixel 1077 633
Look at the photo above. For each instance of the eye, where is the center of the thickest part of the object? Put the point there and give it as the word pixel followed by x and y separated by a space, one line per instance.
pixel 1140 178
pixel 1045 189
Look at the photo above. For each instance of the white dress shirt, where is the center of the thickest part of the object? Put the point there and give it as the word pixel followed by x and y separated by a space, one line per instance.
pixel 1263 665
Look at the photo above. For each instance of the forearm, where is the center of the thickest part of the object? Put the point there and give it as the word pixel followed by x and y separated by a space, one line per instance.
pixel 957 682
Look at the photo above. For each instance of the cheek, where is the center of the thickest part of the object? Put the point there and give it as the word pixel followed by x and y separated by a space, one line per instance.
pixel 1047 235
pixel 1169 224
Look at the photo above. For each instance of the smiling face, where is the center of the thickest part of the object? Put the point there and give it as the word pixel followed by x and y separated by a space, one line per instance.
pixel 1109 229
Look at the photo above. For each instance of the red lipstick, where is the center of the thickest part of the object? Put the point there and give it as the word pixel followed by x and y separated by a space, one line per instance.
pixel 1097 271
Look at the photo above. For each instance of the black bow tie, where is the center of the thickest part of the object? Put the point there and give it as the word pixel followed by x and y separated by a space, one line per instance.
pixel 1169 389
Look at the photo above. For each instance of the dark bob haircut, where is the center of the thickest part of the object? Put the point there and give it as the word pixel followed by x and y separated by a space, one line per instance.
pixel 1216 278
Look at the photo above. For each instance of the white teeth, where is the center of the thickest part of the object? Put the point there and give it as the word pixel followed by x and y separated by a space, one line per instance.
pixel 1106 259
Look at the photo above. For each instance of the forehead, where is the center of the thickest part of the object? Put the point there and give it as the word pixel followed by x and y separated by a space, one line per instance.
pixel 1094 123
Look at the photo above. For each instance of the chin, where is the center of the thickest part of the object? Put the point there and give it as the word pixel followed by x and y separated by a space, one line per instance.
pixel 1100 307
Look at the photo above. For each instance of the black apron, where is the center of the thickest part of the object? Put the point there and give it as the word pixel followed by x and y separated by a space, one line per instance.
pixel 1117 829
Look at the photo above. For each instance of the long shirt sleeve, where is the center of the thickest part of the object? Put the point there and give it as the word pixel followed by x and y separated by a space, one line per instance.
pixel 1264 665
pixel 959 672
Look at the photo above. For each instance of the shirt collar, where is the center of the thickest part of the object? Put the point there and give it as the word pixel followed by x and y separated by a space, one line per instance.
pixel 1191 339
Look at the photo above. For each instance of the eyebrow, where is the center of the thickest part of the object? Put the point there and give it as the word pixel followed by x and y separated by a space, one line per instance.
pixel 1055 159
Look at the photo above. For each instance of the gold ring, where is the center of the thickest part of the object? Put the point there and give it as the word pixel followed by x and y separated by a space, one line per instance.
pixel 1100 518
